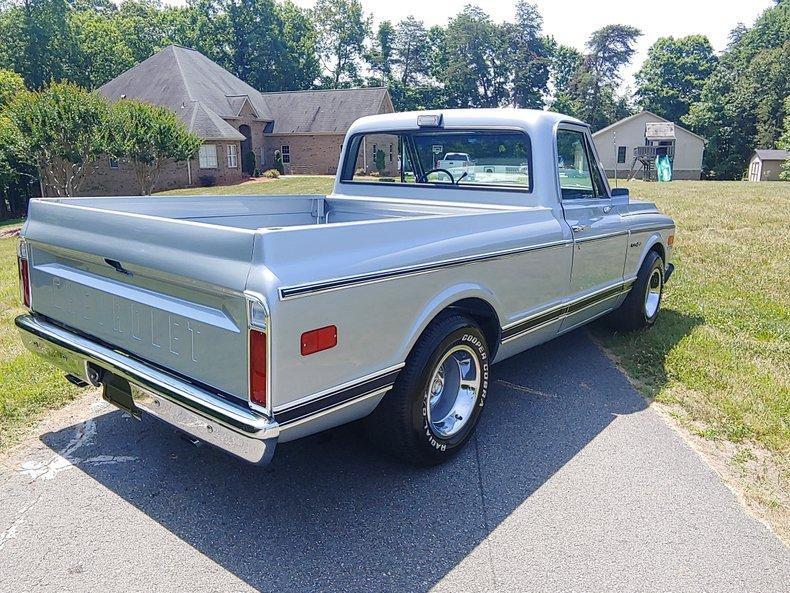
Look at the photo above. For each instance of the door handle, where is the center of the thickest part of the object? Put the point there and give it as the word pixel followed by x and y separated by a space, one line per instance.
pixel 607 209
pixel 578 228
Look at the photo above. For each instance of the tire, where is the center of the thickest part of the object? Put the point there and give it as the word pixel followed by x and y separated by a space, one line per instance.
pixel 416 421
pixel 641 307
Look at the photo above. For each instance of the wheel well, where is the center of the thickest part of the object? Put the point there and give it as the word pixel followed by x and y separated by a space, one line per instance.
pixel 659 249
pixel 485 316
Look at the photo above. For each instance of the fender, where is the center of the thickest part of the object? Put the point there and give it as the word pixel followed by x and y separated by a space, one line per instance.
pixel 439 303
pixel 648 244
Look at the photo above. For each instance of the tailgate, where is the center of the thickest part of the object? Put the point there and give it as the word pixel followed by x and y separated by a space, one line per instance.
pixel 168 291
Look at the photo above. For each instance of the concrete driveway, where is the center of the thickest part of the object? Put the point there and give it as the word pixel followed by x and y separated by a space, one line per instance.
pixel 572 484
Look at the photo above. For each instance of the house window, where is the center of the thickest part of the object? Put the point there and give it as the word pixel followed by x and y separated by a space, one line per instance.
pixel 233 156
pixel 621 154
pixel 113 163
pixel 207 156
pixel 390 152
pixel 285 151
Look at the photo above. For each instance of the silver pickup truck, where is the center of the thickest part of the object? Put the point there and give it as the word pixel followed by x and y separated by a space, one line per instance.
pixel 248 321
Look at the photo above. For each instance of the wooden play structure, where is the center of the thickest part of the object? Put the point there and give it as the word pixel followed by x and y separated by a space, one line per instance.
pixel 659 142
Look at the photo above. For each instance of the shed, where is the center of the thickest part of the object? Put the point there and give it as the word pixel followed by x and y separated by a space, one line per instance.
pixel 766 165
pixel 617 144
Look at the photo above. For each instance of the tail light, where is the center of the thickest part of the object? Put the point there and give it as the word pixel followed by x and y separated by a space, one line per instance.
pixel 258 361
pixel 24 274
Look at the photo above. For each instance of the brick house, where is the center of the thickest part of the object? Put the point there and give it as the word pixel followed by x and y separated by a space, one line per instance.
pixel 232 119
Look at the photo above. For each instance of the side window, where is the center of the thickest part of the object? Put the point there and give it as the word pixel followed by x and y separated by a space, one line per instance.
pixel 578 179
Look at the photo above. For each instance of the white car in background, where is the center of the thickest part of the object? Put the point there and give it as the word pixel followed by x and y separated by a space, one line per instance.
pixel 458 163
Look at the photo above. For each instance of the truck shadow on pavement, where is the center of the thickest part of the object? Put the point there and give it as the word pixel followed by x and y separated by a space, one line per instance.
pixel 331 513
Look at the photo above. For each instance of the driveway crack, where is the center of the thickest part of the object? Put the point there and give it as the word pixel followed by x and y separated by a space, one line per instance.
pixel 484 508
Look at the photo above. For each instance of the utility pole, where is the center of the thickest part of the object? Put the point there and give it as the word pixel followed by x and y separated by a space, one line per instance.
pixel 614 142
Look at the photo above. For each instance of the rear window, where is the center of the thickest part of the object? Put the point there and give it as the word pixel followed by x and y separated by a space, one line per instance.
pixel 461 159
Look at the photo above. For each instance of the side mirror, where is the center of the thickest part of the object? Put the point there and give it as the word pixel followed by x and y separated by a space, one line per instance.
pixel 620 196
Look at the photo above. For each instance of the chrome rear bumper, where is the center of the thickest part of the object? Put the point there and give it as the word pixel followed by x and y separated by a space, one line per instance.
pixel 208 417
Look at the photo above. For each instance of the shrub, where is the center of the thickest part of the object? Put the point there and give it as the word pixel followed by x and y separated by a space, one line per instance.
pixel 271 173
pixel 248 162
pixel 278 162
pixel 380 161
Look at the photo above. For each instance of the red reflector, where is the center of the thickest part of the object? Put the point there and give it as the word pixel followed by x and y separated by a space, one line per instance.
pixel 258 367
pixel 319 339
pixel 24 281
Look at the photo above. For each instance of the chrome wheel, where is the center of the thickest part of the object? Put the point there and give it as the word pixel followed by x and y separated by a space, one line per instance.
pixel 653 293
pixel 453 391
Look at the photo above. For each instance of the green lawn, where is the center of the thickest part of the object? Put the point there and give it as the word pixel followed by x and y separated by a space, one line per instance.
pixel 719 354
pixel 291 184
pixel 28 386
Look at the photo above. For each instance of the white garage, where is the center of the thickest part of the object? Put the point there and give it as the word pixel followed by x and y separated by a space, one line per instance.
pixel 619 143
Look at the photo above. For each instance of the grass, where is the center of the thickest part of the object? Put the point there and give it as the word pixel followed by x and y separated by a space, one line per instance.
pixel 28 385
pixel 719 354
pixel 290 184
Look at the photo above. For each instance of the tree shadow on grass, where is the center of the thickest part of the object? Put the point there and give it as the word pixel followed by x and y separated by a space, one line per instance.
pixel 331 513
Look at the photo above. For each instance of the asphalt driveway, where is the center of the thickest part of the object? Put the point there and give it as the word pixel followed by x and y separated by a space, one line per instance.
pixel 572 484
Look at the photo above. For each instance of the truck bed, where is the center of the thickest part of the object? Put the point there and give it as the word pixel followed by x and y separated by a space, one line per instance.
pixel 264 212
pixel 164 278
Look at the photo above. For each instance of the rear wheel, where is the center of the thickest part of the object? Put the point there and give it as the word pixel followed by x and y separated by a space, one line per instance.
pixel 434 407
pixel 641 307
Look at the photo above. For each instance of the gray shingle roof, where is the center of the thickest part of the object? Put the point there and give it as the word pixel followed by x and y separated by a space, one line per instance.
pixel 208 125
pixel 773 155
pixel 328 111
pixel 204 95
pixel 199 91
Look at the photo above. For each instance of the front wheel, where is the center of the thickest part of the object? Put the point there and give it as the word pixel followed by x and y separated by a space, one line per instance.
pixel 434 407
pixel 641 307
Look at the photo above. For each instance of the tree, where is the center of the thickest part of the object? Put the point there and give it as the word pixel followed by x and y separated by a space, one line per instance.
pixel 141 26
pixel 100 52
pixel 564 63
pixel 592 88
pixel 16 170
pixel 411 51
pixel 342 28
pixel 255 41
pixel 672 77
pixel 298 63
pixel 11 85
pixel 529 60
pixel 784 142
pixel 36 41
pixel 742 104
pixel 148 136
pixel 65 127
pixel 472 67
pixel 380 55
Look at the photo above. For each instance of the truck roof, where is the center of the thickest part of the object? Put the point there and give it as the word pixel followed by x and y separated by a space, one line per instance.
pixel 531 119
